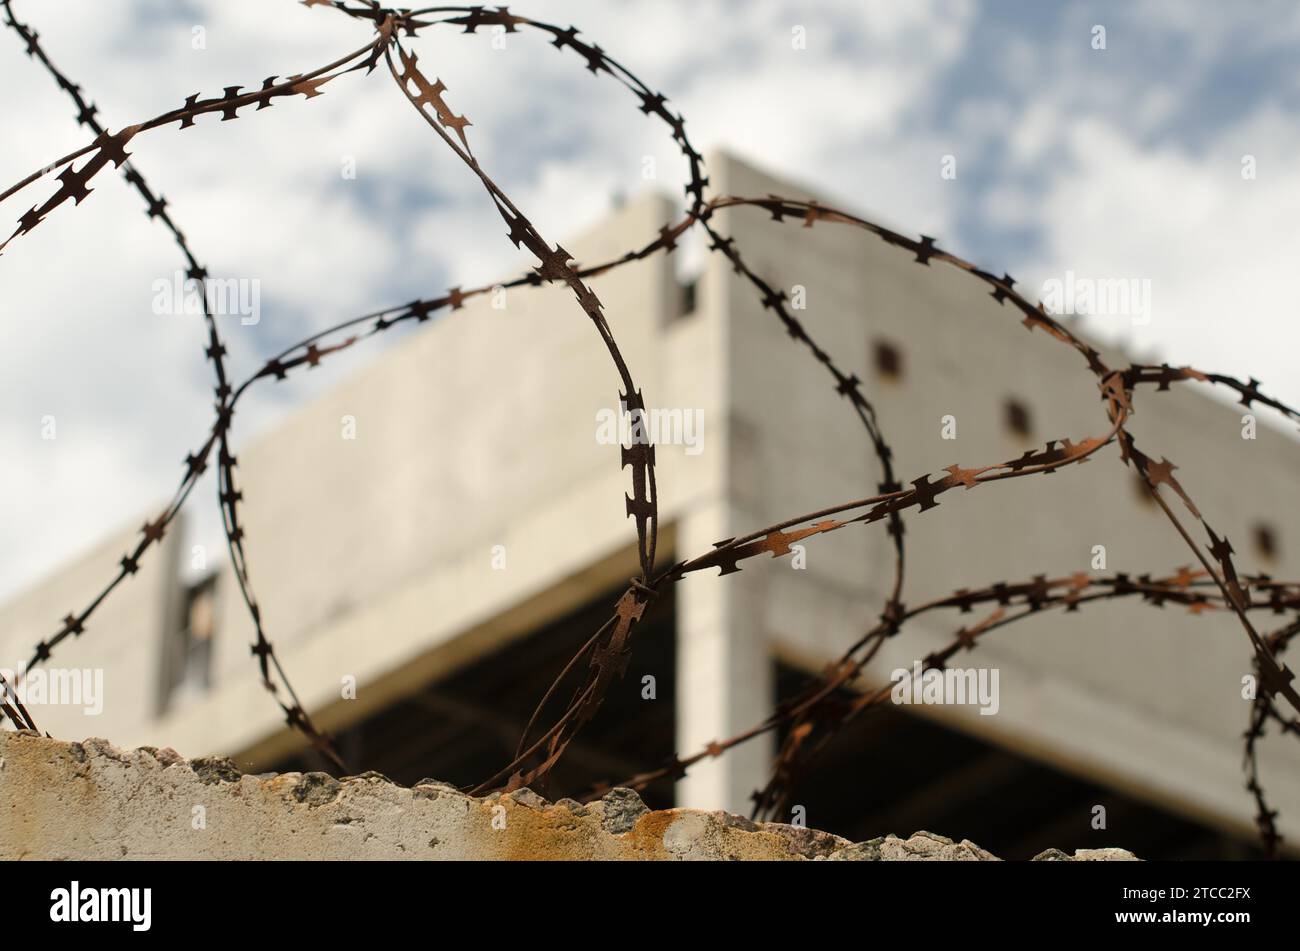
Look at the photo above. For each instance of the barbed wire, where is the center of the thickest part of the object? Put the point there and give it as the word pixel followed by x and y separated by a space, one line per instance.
pixel 228 496
pixel 812 718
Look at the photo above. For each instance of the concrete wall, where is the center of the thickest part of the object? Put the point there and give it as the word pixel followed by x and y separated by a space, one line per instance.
pixel 91 800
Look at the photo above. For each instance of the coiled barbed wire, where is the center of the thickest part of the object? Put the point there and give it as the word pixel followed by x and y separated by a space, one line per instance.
pixel 814 716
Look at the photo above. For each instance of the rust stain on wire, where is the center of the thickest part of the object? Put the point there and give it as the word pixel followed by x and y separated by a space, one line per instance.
pixel 813 718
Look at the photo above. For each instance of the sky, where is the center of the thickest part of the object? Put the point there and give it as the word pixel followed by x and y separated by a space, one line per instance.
pixel 1124 162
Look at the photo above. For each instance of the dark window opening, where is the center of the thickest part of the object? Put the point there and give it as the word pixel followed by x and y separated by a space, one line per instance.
pixel 190 655
pixel 464 727
pixel 1143 491
pixel 893 771
pixel 1265 542
pixel 1017 417
pixel 888 361
pixel 688 298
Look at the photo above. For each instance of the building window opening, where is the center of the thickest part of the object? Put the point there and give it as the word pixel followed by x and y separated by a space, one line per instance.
pixel 190 667
pixel 888 360
pixel 688 300
pixel 1265 542
pixel 1017 418
pixel 1143 492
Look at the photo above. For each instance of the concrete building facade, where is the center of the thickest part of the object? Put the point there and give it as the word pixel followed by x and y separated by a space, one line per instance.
pixel 476 505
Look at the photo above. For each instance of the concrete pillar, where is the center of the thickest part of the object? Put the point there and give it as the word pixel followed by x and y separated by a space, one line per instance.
pixel 724 671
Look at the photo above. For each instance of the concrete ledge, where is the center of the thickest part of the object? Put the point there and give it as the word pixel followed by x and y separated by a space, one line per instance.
pixel 93 801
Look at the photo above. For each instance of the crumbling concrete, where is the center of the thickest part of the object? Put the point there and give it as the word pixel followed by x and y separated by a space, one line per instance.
pixel 93 801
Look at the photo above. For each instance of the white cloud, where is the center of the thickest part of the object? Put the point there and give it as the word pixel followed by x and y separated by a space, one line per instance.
pixel 1216 248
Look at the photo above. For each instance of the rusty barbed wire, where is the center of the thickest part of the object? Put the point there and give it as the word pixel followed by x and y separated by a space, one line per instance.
pixel 1263 712
pixel 152 532
pixel 817 712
